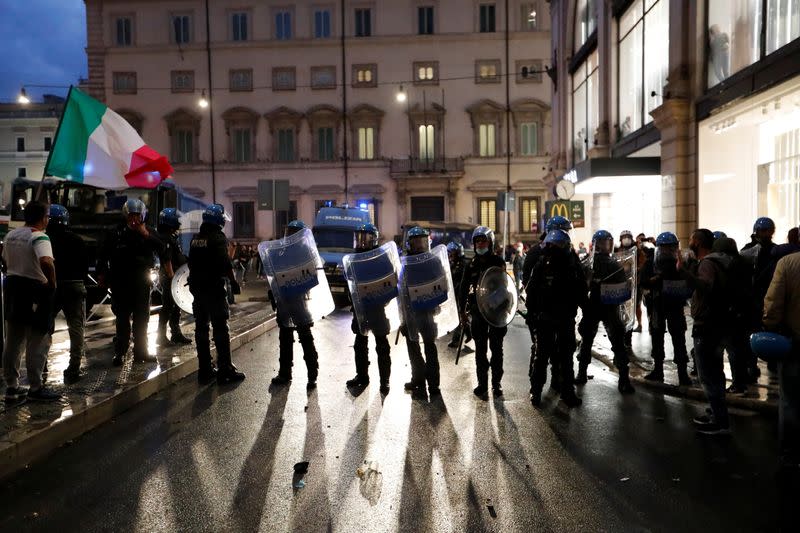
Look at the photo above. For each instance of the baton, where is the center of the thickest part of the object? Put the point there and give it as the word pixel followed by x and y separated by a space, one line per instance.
pixel 460 341
pixel 397 337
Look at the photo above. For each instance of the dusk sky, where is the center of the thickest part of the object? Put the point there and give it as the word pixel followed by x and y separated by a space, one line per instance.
pixel 43 43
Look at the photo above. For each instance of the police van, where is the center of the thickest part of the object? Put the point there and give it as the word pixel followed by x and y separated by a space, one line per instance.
pixel 333 230
pixel 441 233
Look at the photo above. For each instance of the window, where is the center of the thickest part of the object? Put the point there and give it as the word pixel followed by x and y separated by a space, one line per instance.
pixel 322 23
pixel 323 77
pixel 734 36
pixel 529 71
pixel 427 208
pixel 319 204
pixel 529 215
pixel 239 26
pixel 20 144
pixel 371 206
pixel 181 27
pixel 48 144
pixel 325 144
pixel 425 20
pixel 366 143
pixel 182 81
pixel 486 18
pixel 528 141
pixel 487 213
pixel 783 22
pixel 241 80
pixel 486 140
pixel 283 217
pixel 585 102
pixel 643 58
pixel 244 219
pixel 283 79
pixel 529 17
pixel 183 146
pixel 585 21
pixel 124 31
pixel 363 22
pixel 487 71
pixel 286 144
pixel 427 141
pixel 22 172
pixel 426 72
pixel 283 25
pixel 124 82
pixel 365 75
pixel 242 145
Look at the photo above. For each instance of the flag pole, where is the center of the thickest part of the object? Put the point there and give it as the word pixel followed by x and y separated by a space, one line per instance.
pixel 53 146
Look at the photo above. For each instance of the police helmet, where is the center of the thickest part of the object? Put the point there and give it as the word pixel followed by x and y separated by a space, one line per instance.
pixel 170 217
pixel 414 241
pixel 763 223
pixel 135 206
pixel 294 226
pixel 603 242
pixel 667 238
pixel 457 248
pixel 626 233
pixel 719 235
pixel 601 235
pixel 59 215
pixel 557 222
pixel 483 231
pixel 366 237
pixel 557 238
pixel 770 346
pixel 215 214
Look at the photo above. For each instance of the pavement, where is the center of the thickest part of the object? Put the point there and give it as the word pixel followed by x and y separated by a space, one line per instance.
pixel 212 458
pixel 32 430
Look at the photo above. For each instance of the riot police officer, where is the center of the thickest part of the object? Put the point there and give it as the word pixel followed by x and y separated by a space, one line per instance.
pixel 665 297
pixel 427 369
pixel 556 288
pixel 366 239
pixel 209 267
pixel 605 269
pixel 286 336
pixel 485 335
pixel 455 254
pixel 168 225
pixel 72 267
pixel 125 265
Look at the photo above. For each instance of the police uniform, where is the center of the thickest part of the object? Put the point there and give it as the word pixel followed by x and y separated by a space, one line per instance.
pixel 209 267
pixel 170 313
pixel 457 267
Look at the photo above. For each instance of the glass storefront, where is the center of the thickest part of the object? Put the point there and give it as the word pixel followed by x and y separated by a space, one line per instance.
pixel 585 21
pixel 643 62
pixel 585 104
pixel 783 23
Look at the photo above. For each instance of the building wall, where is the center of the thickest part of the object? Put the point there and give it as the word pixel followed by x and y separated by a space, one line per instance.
pixel 393 48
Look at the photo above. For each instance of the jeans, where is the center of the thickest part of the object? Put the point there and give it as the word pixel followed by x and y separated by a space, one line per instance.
pixel 37 344
pixel 71 298
pixel 708 349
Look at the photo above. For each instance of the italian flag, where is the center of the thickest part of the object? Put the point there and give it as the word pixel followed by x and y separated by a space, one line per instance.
pixel 96 146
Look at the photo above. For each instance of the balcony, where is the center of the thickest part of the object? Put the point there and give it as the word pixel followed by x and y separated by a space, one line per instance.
pixel 417 166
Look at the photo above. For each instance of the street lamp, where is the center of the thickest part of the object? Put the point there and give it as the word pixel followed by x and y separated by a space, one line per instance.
pixel 203 102
pixel 23 97
pixel 401 95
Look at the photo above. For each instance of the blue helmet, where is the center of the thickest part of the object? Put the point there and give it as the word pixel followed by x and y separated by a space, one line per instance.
pixel 601 235
pixel 135 206
pixel 483 231
pixel 666 238
pixel 455 247
pixel 417 231
pixel 770 346
pixel 719 235
pixel 558 222
pixel 295 226
pixel 557 237
pixel 763 223
pixel 170 217
pixel 366 237
pixel 215 214
pixel 59 215
pixel 420 245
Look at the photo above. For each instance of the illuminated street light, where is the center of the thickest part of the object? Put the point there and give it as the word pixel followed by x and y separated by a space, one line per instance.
pixel 203 102
pixel 23 97
pixel 401 95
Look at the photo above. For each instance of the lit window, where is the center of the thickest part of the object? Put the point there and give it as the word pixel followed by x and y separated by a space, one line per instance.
pixel 426 141
pixel 366 143
pixel 487 213
pixel 528 138
pixel 486 140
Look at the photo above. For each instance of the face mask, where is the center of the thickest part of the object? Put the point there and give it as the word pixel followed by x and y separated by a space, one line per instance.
pixel 626 242
pixel 481 251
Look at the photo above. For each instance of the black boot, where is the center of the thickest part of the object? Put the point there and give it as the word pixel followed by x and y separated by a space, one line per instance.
pixel 162 339
pixel 206 374
pixel 657 374
pixel 229 375
pixel 358 381
pixel 180 338
pixel 624 384
pixel 536 397
pixel 683 376
pixel 582 376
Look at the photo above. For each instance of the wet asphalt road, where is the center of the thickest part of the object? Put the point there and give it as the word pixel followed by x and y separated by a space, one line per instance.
pixel 211 459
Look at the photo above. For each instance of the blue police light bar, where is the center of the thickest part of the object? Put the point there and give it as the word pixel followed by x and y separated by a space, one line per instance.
pixel 362 206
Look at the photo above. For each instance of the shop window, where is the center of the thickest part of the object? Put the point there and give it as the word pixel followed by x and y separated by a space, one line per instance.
pixel 322 23
pixel 528 141
pixel 783 23
pixel 585 102
pixel 529 214
pixel 325 144
pixel 244 220
pixel 427 141
pixel 487 213
pixel 286 144
pixel 242 145
pixel 734 34
pixel 486 18
pixel 366 143
pixel 486 140
pixel 585 21
pixel 643 62
pixel 487 71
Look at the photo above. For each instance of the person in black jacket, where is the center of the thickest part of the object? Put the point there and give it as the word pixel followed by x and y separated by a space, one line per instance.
pixel 455 253
pixel 556 288
pixel 209 267
pixel 168 225
pixel 72 267
pixel 484 334
pixel 127 258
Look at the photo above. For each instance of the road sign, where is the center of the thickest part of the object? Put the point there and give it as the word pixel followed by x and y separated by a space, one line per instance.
pixel 577 214
pixel 273 195
pixel 511 197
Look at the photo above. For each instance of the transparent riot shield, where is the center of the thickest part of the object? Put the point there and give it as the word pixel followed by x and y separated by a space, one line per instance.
pixel 496 297
pixel 618 285
pixel 372 278
pixel 294 273
pixel 427 297
pixel 180 289
pixel 751 254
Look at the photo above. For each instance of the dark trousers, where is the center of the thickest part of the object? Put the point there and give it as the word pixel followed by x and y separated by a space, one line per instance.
pixel 211 307
pixel 555 341
pixel 487 336
pixel 662 319
pixel 361 351
pixel 131 300
pixel 593 314
pixel 789 408
pixel 71 298
pixel 170 313
pixel 286 349
pixel 426 369
pixel 708 348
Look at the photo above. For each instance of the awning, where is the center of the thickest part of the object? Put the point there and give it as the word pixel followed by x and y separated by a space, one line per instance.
pixel 614 166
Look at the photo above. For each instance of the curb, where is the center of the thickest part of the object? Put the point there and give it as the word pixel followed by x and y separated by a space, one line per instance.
pixel 693 393
pixel 18 451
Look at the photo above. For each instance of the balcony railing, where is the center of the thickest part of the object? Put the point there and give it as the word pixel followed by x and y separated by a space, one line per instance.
pixel 440 165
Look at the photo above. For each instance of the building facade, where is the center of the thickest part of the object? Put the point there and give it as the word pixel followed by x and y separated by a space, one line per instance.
pixel 475 119
pixel 672 115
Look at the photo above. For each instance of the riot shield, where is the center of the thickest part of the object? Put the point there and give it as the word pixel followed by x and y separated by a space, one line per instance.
pixel 180 289
pixel 294 273
pixel 427 297
pixel 751 254
pixel 496 297
pixel 623 293
pixel 372 278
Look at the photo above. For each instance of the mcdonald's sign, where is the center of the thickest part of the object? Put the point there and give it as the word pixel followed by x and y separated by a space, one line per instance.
pixel 557 208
